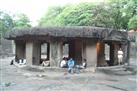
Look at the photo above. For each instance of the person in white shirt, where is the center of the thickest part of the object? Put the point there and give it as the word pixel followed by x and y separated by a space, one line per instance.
pixel 84 63
pixel 120 56
pixel 22 61
pixel 46 63
pixel 63 63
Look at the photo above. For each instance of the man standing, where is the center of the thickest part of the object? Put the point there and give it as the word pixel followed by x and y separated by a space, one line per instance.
pixel 120 56
pixel 71 64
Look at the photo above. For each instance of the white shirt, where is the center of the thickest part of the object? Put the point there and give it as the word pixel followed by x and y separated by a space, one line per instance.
pixel 84 64
pixel 120 53
pixel 63 63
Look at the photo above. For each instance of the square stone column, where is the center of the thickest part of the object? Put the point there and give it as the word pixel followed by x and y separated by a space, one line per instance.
pixel 90 53
pixel 33 51
pixel 56 53
pixel 101 54
pixel 29 53
pixel 48 51
pixel 36 53
pixel 19 50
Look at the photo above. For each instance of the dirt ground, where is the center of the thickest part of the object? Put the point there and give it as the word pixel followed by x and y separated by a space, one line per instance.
pixel 13 78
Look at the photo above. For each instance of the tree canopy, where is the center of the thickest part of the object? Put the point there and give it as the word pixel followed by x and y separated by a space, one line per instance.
pixel 49 18
pixel 6 22
pixel 76 15
pixel 132 24
pixel 69 15
pixel 112 14
pixel 10 21
pixel 21 21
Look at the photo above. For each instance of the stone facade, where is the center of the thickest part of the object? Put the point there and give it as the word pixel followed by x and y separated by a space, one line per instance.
pixel 83 43
pixel 6 47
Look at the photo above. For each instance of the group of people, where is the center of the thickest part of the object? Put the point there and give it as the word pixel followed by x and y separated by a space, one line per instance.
pixel 71 64
pixel 18 61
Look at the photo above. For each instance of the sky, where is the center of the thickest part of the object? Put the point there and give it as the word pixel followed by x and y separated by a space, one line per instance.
pixel 35 9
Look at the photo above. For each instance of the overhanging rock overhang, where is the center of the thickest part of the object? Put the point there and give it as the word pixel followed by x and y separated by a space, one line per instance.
pixel 40 33
pixel 116 36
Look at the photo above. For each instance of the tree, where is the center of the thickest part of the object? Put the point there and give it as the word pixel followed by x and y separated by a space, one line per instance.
pixel 76 15
pixel 131 7
pixel 112 14
pixel 6 22
pixel 88 14
pixel 128 9
pixel 9 22
pixel 21 21
pixel 131 11
pixel 69 15
pixel 102 16
pixel 132 24
pixel 49 18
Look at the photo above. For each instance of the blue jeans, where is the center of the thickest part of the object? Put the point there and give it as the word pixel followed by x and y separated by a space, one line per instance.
pixel 70 69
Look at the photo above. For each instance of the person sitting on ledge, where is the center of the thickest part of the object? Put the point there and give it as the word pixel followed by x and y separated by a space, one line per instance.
pixel 71 64
pixel 83 65
pixel 45 63
pixel 22 61
pixel 63 63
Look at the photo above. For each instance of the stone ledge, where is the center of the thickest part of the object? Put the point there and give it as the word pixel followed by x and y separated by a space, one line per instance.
pixel 54 69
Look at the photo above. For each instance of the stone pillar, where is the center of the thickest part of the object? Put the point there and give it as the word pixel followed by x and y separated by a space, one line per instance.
pixel 128 53
pixel 48 51
pixel 29 53
pixel 91 53
pixel 100 54
pixel 72 49
pixel 36 53
pixel 33 53
pixel 84 50
pixel 56 53
pixel 78 51
pixel 111 54
pixel 13 47
pixel 20 50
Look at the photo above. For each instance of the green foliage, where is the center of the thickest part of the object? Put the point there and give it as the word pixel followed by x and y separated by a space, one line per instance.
pixel 132 24
pixel 113 14
pixel 49 18
pixel 70 15
pixel 132 13
pixel 102 16
pixel 131 8
pixel 116 14
pixel 21 21
pixel 8 22
pixel 76 15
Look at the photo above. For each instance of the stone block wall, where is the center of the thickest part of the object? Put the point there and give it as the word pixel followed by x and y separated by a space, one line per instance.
pixel 6 47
